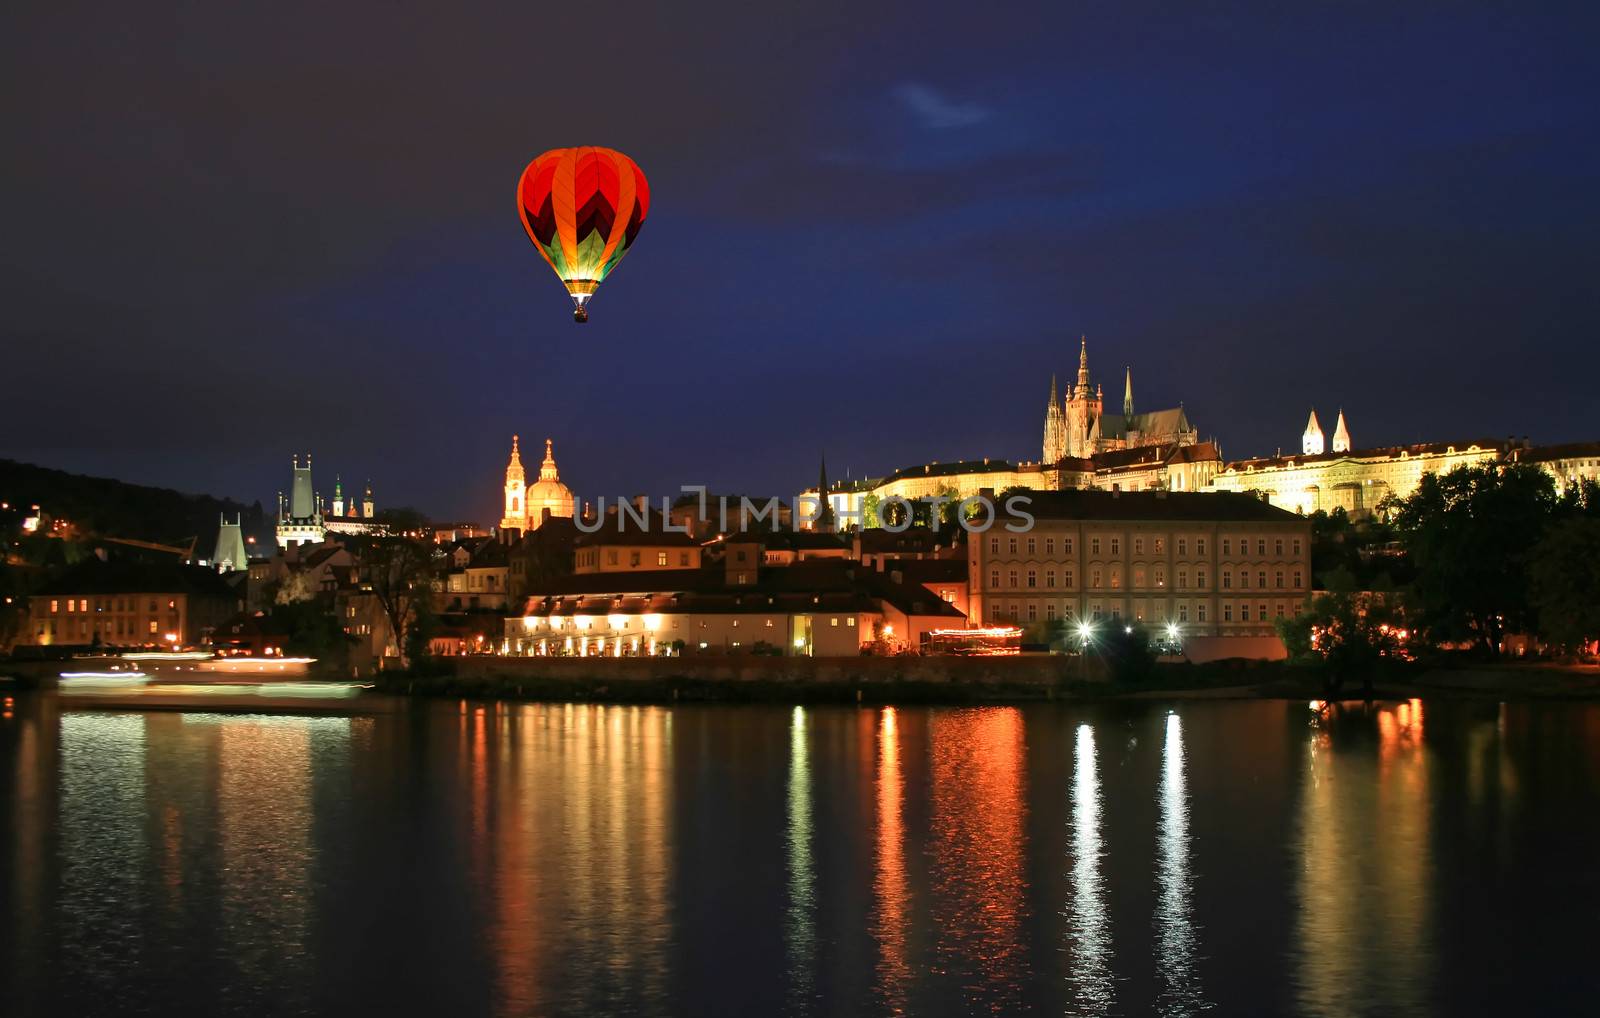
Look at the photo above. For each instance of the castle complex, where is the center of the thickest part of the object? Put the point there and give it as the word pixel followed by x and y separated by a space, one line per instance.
pixel 1086 447
pixel 1078 426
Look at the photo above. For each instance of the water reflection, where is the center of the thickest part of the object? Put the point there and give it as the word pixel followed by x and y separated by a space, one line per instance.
pixel 889 876
pixel 979 842
pixel 1179 983
pixel 1088 924
pixel 103 845
pixel 574 813
pixel 1363 934
pixel 799 925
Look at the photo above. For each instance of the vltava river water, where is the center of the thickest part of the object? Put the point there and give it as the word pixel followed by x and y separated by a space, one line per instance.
pixel 1238 857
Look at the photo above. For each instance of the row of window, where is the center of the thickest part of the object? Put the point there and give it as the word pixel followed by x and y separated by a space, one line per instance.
pixel 635 558
pixel 122 627
pixel 1158 545
pixel 116 604
pixel 1030 579
pixel 1243 611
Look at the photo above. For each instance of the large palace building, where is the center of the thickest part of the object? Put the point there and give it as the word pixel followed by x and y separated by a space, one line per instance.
pixel 1086 447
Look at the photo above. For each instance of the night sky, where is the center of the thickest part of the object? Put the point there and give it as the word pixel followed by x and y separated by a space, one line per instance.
pixel 875 231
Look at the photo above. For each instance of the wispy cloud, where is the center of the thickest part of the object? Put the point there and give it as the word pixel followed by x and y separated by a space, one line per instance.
pixel 935 111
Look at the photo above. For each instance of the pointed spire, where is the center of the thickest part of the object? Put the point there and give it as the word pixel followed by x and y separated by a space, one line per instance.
pixel 547 469
pixel 514 470
pixel 1083 365
pixel 1127 394
pixel 1311 442
pixel 1341 434
pixel 1053 397
pixel 825 508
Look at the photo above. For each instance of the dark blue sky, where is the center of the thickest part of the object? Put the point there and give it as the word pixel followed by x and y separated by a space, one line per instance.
pixel 875 230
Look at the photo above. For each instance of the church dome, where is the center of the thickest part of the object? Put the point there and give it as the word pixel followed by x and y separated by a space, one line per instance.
pixel 548 492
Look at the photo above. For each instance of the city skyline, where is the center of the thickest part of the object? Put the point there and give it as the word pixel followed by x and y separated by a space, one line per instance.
pixel 1260 211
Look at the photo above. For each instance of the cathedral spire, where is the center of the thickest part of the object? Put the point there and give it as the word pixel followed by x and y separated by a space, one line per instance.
pixel 1053 397
pixel 1341 434
pixel 1311 441
pixel 1083 364
pixel 1127 394
pixel 825 507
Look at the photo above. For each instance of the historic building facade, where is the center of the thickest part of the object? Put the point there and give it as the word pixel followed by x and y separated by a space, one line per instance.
pixel 1355 480
pixel 1209 564
pixel 526 505
pixel 1077 427
pixel 303 518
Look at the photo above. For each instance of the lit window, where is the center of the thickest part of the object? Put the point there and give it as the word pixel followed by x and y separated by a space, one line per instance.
pixel 834 622
pixel 661 558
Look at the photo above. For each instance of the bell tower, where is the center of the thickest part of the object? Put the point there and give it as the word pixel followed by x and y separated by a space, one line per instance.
pixel 516 517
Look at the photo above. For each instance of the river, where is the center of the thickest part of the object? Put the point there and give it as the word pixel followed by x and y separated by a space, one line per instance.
pixel 1238 857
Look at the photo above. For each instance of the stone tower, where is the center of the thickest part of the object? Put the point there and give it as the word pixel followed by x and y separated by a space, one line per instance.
pixel 1055 427
pixel 230 555
pixel 1341 435
pixel 1311 441
pixel 516 517
pixel 1083 408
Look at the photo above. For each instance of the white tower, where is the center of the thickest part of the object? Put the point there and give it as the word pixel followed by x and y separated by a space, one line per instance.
pixel 1311 441
pixel 516 517
pixel 1341 435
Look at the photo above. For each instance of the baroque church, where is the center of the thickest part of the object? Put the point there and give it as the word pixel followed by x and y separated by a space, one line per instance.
pixel 1078 427
pixel 526 505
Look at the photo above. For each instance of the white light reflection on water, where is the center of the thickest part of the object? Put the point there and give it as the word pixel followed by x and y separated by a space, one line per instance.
pixel 800 919
pixel 1088 925
pixel 103 845
pixel 1178 982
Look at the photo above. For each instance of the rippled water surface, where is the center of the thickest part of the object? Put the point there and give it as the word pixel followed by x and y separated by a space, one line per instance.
pixel 1238 858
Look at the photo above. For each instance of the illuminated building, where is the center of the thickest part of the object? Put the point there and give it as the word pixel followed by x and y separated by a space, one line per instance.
pixel 130 604
pixel 526 506
pixel 300 517
pixel 303 519
pixel 1220 567
pixel 1078 426
pixel 1355 480
pixel 1084 447
pixel 635 540
pixel 230 555
pixel 825 608
pixel 1569 464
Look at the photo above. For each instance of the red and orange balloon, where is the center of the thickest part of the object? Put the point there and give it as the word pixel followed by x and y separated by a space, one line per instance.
pixel 582 208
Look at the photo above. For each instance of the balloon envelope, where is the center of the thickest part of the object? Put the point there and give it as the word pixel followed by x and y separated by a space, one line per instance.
pixel 582 208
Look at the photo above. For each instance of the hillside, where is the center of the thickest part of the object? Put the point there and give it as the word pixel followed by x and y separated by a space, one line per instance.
pixel 107 507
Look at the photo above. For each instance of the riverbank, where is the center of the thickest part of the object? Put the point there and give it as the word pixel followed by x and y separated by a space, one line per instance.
pixel 961 681
pixel 932 680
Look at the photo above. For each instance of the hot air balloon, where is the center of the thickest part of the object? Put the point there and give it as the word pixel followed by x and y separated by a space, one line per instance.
pixel 582 208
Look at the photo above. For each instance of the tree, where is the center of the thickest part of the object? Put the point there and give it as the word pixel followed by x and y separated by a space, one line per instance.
pixel 1469 534
pixel 1348 632
pixel 870 518
pixel 400 571
pixel 1564 583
